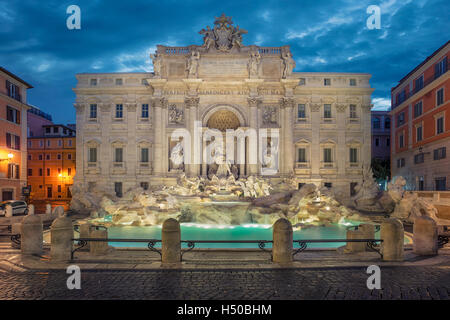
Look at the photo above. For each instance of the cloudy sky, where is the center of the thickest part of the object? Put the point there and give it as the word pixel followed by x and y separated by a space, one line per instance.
pixel 118 36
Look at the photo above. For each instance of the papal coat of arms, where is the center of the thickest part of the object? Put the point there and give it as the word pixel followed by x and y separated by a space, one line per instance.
pixel 224 36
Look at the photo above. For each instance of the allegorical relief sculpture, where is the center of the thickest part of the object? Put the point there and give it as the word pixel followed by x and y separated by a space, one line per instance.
pixel 255 60
pixel 224 36
pixel 269 115
pixel 192 64
pixel 176 115
pixel 288 62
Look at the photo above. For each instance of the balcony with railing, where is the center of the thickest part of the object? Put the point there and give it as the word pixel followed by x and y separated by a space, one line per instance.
pixel 269 50
pixel 426 82
pixel 173 50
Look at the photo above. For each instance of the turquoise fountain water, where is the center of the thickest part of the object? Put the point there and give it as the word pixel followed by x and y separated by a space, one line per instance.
pixel 192 231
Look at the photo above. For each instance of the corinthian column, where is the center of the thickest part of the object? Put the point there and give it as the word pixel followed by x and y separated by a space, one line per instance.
pixel 192 105
pixel 159 134
pixel 254 103
pixel 288 155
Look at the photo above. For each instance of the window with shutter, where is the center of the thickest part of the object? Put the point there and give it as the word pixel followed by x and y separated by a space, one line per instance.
pixel 8 140
pixel 17 142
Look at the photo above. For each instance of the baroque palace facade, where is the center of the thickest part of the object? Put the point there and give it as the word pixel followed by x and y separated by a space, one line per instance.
pixel 125 120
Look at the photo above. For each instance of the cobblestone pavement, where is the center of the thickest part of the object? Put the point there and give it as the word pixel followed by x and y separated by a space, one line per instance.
pixel 318 283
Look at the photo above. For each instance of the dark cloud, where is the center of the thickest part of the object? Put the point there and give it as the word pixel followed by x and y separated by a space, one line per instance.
pixel 328 36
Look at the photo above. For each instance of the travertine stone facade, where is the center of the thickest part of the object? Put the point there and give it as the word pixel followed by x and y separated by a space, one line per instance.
pixel 222 84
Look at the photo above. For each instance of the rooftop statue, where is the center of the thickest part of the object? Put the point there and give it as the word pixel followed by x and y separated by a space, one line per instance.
pixel 224 36
pixel 156 64
pixel 288 63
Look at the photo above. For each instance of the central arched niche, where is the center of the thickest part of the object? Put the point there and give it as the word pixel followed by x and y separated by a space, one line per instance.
pixel 222 120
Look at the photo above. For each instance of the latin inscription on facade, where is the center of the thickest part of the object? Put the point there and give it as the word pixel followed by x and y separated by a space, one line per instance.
pixel 223 67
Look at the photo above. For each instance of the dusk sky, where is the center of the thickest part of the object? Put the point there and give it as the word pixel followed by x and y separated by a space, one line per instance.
pixel 118 36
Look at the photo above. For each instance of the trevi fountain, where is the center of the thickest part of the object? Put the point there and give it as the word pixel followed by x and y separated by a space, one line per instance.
pixel 208 208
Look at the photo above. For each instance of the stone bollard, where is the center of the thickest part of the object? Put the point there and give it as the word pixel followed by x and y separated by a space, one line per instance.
pixel 31 235
pixel 58 211
pixel 392 234
pixel 48 208
pixel 425 236
pixel 369 232
pixel 282 241
pixel 85 232
pixel 171 245
pixel 99 247
pixel 30 209
pixel 15 229
pixel 61 239
pixel 9 211
pixel 353 247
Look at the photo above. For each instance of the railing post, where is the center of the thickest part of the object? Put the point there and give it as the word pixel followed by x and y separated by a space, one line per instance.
pixel 31 235
pixel 61 239
pixel 30 209
pixel 369 233
pixel 99 247
pixel 425 234
pixel 353 247
pixel 282 241
pixel 392 234
pixel 85 232
pixel 171 241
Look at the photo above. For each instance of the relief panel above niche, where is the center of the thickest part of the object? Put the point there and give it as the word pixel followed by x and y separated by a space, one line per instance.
pixel 177 69
pixel 271 69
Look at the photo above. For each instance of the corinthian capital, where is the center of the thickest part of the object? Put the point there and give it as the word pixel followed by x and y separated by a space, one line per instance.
pixel 160 102
pixel 341 107
pixel 131 107
pixel 254 101
pixel 105 107
pixel 287 102
pixel 191 101
pixel 79 107
pixel 315 107
pixel 367 107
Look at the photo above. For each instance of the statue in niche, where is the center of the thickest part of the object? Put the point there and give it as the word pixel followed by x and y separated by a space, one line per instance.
pixel 288 62
pixel 177 156
pixel 223 169
pixel 270 115
pixel 156 64
pixel 192 64
pixel 270 155
pixel 176 116
pixel 255 59
pixel 209 38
